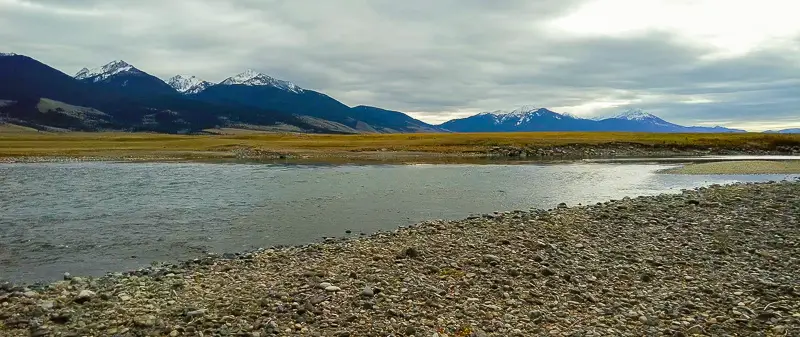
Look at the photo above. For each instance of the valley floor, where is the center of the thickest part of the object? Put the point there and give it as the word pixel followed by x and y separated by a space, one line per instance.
pixel 713 261
pixel 18 145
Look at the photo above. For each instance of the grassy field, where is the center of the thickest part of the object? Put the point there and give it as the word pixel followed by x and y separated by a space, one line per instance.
pixel 27 144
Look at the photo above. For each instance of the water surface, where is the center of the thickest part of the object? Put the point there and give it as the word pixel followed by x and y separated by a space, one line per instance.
pixel 92 218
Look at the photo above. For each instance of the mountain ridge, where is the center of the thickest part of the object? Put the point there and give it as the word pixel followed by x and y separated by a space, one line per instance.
pixel 188 84
pixel 531 118
pixel 793 130
pixel 136 100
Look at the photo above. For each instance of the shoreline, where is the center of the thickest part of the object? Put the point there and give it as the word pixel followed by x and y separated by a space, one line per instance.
pixel 346 267
pixel 396 157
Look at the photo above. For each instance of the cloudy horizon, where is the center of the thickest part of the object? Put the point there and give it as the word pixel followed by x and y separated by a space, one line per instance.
pixel 702 62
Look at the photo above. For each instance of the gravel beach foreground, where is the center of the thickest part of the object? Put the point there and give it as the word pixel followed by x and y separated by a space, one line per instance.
pixel 718 261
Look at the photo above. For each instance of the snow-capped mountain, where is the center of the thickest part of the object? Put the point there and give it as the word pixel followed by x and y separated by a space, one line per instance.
pixel 642 117
pixel 524 118
pixel 8 54
pixel 528 118
pixel 124 78
pixel 107 71
pixel 522 115
pixel 635 115
pixel 188 84
pixel 253 78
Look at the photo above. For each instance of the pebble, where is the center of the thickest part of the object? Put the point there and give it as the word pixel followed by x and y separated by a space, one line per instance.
pixel 85 296
pixel 367 292
pixel 196 313
pixel 332 289
pixel 46 305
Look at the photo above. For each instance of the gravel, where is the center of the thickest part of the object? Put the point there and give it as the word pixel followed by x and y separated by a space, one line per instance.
pixel 713 261
pixel 740 167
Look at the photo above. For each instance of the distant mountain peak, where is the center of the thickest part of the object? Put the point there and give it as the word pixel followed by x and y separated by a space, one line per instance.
pixel 9 54
pixel 103 73
pixel 251 77
pixel 523 114
pixel 188 84
pixel 635 115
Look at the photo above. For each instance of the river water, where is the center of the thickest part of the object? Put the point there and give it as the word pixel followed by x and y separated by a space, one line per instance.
pixel 97 217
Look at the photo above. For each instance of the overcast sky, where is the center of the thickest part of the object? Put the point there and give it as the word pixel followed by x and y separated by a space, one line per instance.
pixel 728 62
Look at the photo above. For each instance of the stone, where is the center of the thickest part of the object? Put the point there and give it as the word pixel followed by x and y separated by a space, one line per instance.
pixel 67 276
pixel 85 296
pixel 324 285
pixel 196 313
pixel 46 305
pixel 332 289
pixel 61 317
pixel 367 292
pixel 479 333
pixel 145 321
pixel 39 332
pixel 491 259
pixel 410 252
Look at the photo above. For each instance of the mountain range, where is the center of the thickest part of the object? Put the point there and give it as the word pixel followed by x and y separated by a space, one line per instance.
pixel 528 118
pixel 797 130
pixel 120 96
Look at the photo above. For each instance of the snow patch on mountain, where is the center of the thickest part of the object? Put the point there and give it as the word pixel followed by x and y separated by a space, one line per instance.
pixel 253 78
pixel 522 115
pixel 635 115
pixel 8 54
pixel 188 84
pixel 107 71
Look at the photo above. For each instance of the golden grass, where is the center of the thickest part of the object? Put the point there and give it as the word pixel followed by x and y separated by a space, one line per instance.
pixel 133 144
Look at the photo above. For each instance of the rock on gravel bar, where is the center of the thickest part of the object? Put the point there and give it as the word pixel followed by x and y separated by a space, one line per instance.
pixel 717 261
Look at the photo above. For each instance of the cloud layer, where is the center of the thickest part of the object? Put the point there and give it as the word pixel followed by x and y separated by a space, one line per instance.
pixel 693 62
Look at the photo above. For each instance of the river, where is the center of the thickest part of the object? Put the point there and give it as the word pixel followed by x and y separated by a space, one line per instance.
pixel 96 217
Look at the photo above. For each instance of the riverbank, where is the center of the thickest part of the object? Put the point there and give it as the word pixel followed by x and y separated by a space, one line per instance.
pixel 739 167
pixel 24 147
pixel 711 261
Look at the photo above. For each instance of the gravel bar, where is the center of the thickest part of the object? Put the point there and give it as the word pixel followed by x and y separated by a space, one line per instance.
pixel 740 167
pixel 716 261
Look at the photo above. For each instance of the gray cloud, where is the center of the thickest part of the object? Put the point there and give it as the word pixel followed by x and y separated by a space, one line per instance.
pixel 436 60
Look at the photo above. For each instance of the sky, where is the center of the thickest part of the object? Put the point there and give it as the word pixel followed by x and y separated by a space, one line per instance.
pixel 734 63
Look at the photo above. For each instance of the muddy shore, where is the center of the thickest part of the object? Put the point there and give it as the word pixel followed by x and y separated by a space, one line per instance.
pixel 711 261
